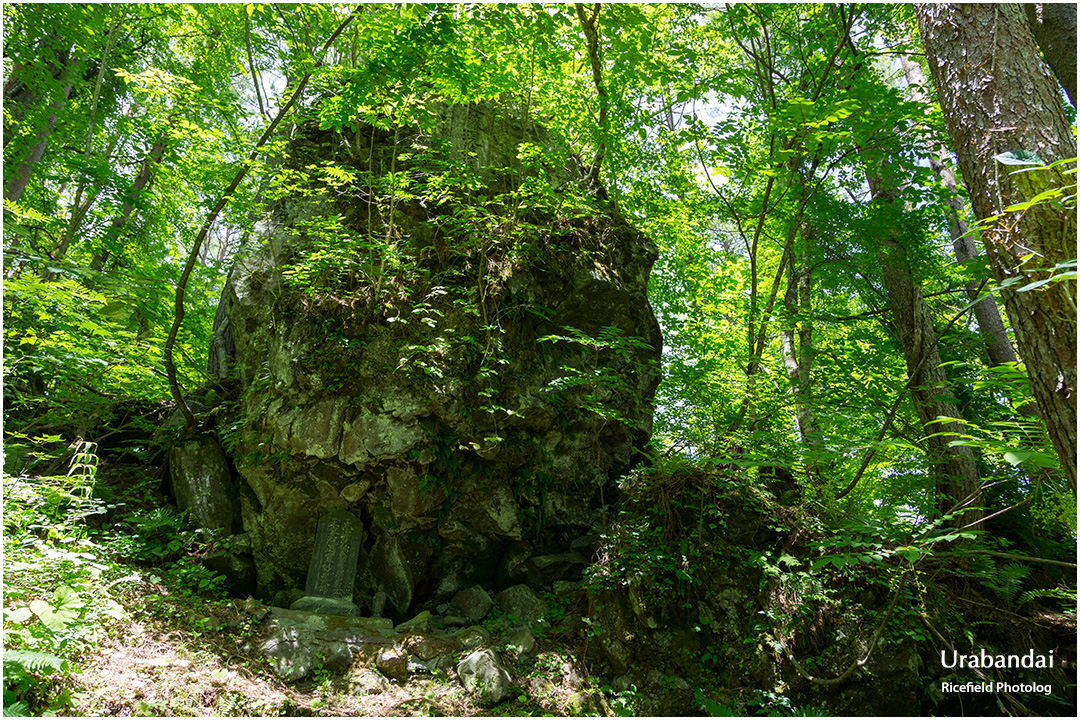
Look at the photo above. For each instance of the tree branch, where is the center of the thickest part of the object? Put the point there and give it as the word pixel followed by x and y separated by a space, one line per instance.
pixel 181 285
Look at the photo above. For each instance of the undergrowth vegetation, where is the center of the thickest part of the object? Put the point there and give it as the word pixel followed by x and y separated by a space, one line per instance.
pixel 702 554
pixel 77 554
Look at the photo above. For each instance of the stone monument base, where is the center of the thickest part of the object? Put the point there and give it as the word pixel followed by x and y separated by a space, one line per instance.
pixel 326 606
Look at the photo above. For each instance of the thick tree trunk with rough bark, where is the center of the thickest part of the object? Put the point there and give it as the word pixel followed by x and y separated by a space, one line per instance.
pixel 998 96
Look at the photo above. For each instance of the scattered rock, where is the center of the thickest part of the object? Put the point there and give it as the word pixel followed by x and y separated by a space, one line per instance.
pixel 422 623
pixel 428 647
pixel 521 644
pixel 338 656
pixel 542 687
pixel 572 625
pixel 394 664
pixel 472 603
pixel 521 605
pixel 482 674
pixel 368 682
pixel 291 653
pixel 473 637
pixel 238 570
pixel 588 702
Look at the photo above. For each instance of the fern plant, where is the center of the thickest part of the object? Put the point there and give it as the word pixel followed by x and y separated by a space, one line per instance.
pixel 1008 581
pixel 24 671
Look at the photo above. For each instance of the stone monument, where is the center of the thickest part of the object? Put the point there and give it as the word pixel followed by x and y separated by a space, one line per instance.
pixel 332 571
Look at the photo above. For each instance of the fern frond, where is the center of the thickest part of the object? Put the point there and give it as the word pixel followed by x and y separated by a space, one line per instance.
pixel 17 709
pixel 33 661
pixel 1068 599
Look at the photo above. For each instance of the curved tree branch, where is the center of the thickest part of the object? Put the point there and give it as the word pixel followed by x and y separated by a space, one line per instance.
pixel 181 285
pixel 592 36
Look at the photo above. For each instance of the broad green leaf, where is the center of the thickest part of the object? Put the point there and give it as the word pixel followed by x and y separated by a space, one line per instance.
pixel 18 615
pixel 61 612
pixel 1019 157
pixel 1015 457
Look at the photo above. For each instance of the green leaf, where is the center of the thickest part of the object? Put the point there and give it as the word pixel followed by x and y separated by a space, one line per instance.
pixel 1015 457
pixel 18 615
pixel 62 612
pixel 1036 284
pixel 1019 157
pixel 33 661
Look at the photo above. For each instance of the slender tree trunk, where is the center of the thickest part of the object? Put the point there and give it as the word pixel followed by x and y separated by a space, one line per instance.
pixel 998 96
pixel 80 207
pixel 139 187
pixel 796 347
pixel 956 473
pixel 592 36
pixel 991 326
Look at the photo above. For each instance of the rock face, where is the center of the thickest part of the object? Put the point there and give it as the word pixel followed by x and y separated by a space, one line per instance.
pixel 467 368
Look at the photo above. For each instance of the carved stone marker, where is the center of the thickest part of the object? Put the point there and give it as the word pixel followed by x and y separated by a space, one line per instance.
pixel 332 570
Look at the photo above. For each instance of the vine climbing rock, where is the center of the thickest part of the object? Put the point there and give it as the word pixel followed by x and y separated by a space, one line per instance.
pixel 467 363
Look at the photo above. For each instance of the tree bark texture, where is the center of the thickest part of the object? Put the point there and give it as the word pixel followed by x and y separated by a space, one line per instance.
pixel 1054 28
pixel 991 326
pixel 15 186
pixel 997 96
pixel 797 347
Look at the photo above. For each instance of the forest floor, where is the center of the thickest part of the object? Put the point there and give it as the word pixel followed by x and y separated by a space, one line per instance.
pixel 162 664
pixel 108 612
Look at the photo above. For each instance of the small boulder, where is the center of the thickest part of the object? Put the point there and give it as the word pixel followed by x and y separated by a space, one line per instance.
pixel 337 656
pixel 521 644
pixel 521 605
pixel 422 623
pixel 368 682
pixel 428 647
pixel 588 702
pixel 393 664
pixel 472 603
pixel 473 637
pixel 482 674
pixel 291 654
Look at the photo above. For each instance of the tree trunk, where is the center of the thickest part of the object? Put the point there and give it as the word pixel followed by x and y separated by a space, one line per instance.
pixel 138 187
pixel 796 346
pixel 15 186
pixel 998 96
pixel 956 472
pixel 1054 28
pixel 992 328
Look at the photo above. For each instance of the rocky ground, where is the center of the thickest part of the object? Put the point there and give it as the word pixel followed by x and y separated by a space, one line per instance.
pixel 239 657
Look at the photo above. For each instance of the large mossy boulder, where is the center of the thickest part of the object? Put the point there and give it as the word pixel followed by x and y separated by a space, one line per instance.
pixel 439 331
